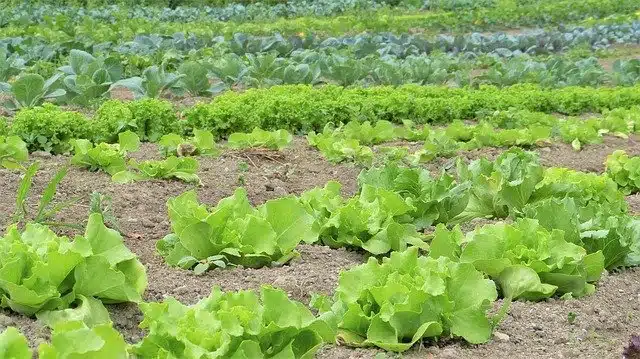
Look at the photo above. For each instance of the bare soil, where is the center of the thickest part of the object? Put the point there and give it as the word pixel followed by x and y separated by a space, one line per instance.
pixel 604 321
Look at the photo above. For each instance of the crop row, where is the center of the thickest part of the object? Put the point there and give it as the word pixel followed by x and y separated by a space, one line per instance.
pixel 536 256
pixel 512 13
pixel 301 109
pixel 155 47
pixel 521 128
pixel 87 79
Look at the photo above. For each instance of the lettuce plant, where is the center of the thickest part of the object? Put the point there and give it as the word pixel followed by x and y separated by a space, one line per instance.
pixel 242 325
pixel 436 200
pixel 234 232
pixel 524 259
pixel 13 344
pixel 406 298
pixel 274 140
pixel 377 220
pixel 13 151
pixel 109 158
pixel 90 321
pixel 499 187
pixel 624 170
pixel 42 271
pixel 202 143
pixel 179 168
pixel 336 150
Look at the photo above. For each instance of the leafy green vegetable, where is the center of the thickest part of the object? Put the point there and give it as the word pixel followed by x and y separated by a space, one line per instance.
pixel 376 220
pixel 30 90
pixel 234 232
pixel 35 265
pixel 109 271
pixel 595 227
pixel 87 77
pixel 435 200
pixel 238 325
pixel 397 303
pixel 526 260
pixel 202 143
pixel 13 151
pixel 42 271
pixel 81 332
pixel 624 170
pixel 180 168
pixel 499 187
pixel 275 140
pixel 337 150
pixel 586 188
pixel 107 157
pixel 14 345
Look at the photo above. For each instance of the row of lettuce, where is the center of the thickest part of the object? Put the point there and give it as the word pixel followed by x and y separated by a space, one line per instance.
pixel 301 109
pixel 561 230
pixel 88 80
pixel 510 13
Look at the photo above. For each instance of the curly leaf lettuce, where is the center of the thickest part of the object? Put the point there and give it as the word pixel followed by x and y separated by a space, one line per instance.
pixel 36 268
pixel 435 200
pixel 82 332
pixel 14 345
pixel 234 232
pixel 407 297
pixel 239 325
pixel 526 260
pixel 110 271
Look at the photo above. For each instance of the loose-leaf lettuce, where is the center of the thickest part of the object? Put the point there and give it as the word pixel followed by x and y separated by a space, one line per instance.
pixel 405 298
pixel 500 187
pixel 180 168
pixel 239 325
pixel 13 151
pixel 435 200
pixel 202 143
pixel 36 269
pixel 624 170
pixel 107 157
pixel 82 332
pixel 274 140
pixel 234 232
pixel 376 220
pixel 110 271
pixel 13 345
pixel 526 260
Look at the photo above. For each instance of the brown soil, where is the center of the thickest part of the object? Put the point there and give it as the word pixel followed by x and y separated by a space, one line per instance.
pixel 604 320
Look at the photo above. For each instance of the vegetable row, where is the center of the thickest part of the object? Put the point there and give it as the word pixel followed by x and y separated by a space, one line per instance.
pixel 88 79
pixel 511 13
pixel 523 128
pixel 152 46
pixel 301 109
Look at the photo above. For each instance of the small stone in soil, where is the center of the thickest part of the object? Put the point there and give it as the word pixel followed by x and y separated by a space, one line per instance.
pixel 501 337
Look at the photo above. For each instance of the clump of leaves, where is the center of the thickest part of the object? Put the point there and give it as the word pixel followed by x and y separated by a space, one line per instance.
pixel 336 149
pixel 234 232
pixel 526 260
pixel 240 324
pixel 396 303
pixel 179 168
pixel 106 157
pixel 13 151
pixel 377 220
pixel 624 170
pixel 30 90
pixel 258 138
pixel 202 143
